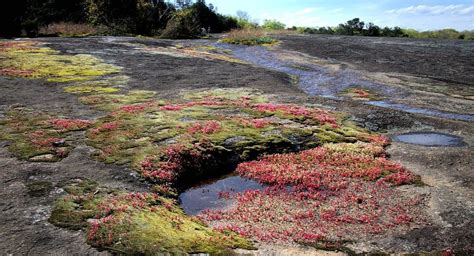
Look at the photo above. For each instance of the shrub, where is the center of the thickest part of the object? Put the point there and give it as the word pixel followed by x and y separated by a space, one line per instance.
pixel 244 21
pixel 67 29
pixel 183 25
pixel 248 37
pixel 442 34
pixel 273 25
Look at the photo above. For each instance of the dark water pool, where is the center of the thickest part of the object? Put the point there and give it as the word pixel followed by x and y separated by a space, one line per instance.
pixel 430 139
pixel 207 196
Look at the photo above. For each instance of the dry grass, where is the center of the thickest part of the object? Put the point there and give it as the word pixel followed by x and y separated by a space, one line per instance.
pixel 68 29
pixel 248 37
pixel 283 32
pixel 247 33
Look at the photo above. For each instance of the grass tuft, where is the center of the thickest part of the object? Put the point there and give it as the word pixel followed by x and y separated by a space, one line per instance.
pixel 248 37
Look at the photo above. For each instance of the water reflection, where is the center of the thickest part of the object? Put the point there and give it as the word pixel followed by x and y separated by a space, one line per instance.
pixel 208 196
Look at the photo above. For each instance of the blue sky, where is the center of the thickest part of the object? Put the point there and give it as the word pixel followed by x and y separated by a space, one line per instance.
pixel 418 14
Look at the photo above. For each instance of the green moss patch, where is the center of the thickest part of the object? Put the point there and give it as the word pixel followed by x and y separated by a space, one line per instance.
pixel 171 143
pixel 31 60
pixel 168 141
pixel 79 89
pixel 39 188
pixel 109 84
pixel 36 136
pixel 202 52
pixel 251 41
pixel 137 223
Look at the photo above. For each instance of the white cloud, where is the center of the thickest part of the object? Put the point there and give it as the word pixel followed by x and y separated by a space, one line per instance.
pixel 339 10
pixel 435 10
pixel 305 11
pixel 469 10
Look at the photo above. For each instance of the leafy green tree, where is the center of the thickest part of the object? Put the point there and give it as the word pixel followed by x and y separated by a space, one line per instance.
pixel 117 14
pixel 372 30
pixel 273 25
pixel 351 27
pixel 184 24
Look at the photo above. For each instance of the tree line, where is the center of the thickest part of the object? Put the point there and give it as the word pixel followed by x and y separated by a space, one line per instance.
pixel 178 19
pixel 360 28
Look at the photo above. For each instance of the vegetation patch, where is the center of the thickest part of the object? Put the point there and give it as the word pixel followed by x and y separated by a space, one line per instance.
pixel 360 94
pixel 339 187
pixel 112 102
pixel 80 89
pixel 39 188
pixel 67 29
pixel 31 60
pixel 137 223
pixel 323 197
pixel 170 142
pixel 37 136
pixel 248 37
pixel 202 52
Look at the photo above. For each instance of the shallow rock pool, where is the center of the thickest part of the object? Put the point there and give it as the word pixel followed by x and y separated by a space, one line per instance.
pixel 430 139
pixel 209 194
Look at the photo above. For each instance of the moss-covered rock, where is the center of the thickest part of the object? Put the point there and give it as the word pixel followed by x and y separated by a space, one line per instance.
pixel 31 60
pixel 39 188
pixel 79 89
pixel 137 223
pixel 201 52
pixel 206 131
pixel 37 136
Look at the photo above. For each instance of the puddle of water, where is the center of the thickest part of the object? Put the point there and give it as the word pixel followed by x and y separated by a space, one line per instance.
pixel 430 139
pixel 207 196
pixel 313 79
pixel 424 111
pixel 317 80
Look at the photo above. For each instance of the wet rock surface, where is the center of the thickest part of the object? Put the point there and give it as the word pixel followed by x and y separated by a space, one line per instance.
pixel 443 60
pixel 29 188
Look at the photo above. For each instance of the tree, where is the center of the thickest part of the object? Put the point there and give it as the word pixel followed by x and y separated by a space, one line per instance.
pixel 11 15
pixel 112 13
pixel 351 27
pixel 183 25
pixel 243 15
pixel 273 25
pixel 372 30
pixel 356 25
pixel 181 4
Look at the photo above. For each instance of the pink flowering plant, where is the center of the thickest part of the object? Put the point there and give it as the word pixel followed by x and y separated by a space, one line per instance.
pixel 327 181
pixel 120 220
pixel 37 136
pixel 329 194
pixel 246 125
